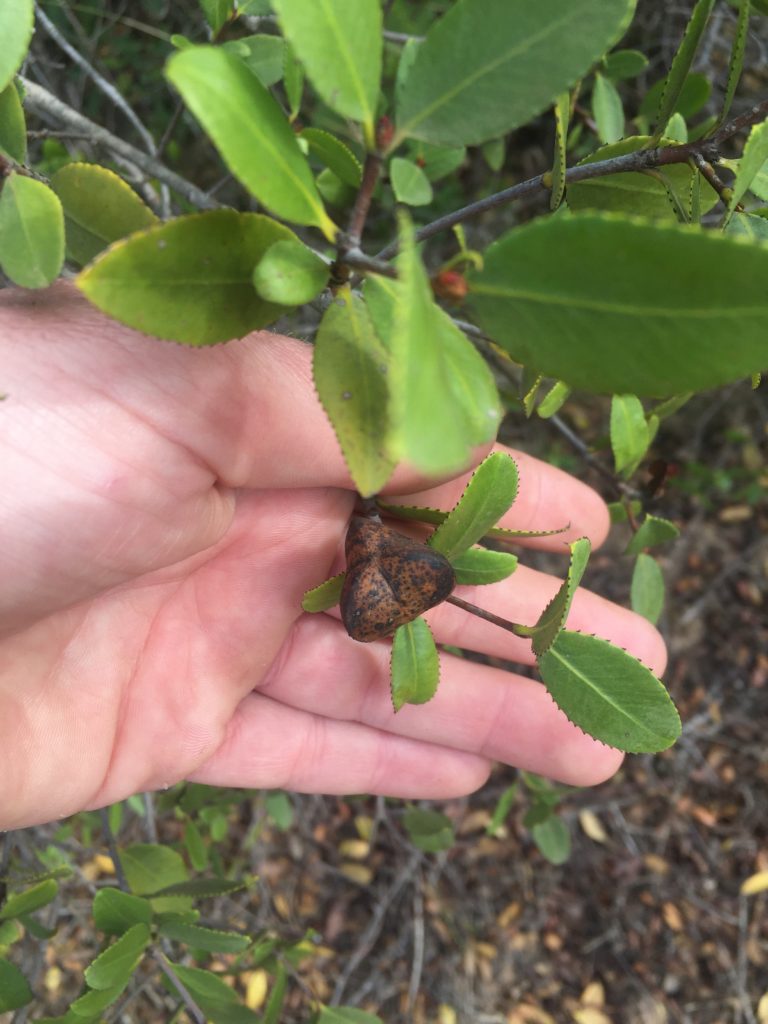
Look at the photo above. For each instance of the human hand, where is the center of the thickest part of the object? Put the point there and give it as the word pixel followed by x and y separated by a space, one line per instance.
pixel 163 511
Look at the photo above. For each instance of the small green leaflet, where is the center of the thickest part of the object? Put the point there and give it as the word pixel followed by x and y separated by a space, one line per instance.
pixel 629 433
pixel 209 939
pixel 340 44
pixel 414 664
pixel 351 371
pixel 216 998
pixel 552 839
pixel 217 13
pixel 609 694
pixel 16 24
pixel 250 131
pixel 336 156
pixel 290 274
pixel 189 279
pixel 264 55
pixel 647 591
pixel 202 887
pixel 562 117
pixel 14 987
pixel 409 182
pixel 31 232
pixel 653 530
pixel 435 516
pixel 748 226
pixel 346 1015
pixel 326 596
pixel 115 911
pixel 553 401
pixel 736 62
pixel 624 64
pixel 26 902
pixel 89 1006
pixel 607 109
pixel 149 867
pixel 117 963
pixel 523 55
pixel 490 493
pixel 478 566
pixel 688 306
pixel 681 64
pixel 13 128
pixel 99 208
pixel 752 159
pixel 429 830
pixel 502 809
pixel 552 619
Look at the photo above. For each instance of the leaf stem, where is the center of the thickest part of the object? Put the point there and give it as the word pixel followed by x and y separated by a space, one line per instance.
pixel 481 613
pixel 362 205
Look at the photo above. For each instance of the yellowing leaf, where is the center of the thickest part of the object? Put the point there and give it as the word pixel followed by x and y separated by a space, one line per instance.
pixel 256 987
pixel 754 884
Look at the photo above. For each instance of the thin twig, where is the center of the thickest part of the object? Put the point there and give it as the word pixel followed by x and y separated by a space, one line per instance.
pixel 417 965
pixel 109 835
pixel 193 1009
pixel 49 107
pixel 640 160
pixel 481 613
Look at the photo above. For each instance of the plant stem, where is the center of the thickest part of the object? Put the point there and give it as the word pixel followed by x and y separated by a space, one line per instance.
pixel 362 205
pixel 496 620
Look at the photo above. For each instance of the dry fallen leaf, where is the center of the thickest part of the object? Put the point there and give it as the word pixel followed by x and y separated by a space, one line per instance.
pixel 592 826
pixel 755 883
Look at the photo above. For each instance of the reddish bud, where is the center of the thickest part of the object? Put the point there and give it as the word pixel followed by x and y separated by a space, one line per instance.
pixel 385 132
pixel 450 285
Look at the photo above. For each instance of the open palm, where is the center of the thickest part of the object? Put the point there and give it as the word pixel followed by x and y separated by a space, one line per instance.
pixel 163 510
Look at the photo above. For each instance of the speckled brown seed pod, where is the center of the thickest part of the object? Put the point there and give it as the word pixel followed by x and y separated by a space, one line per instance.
pixel 390 580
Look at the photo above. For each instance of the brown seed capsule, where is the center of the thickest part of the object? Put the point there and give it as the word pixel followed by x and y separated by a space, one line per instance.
pixel 390 579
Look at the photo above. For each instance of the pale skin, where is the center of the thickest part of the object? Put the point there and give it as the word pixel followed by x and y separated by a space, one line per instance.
pixel 163 509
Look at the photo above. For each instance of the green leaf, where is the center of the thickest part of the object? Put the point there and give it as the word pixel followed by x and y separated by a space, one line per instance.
pixel 293 81
pixel 609 694
pixel 551 621
pixel 150 867
pixel 99 208
pixel 250 132
pixel 607 109
pixel 633 192
pixel 200 888
pixel 490 493
pixel 115 912
pixel 516 57
pixel 14 987
pixel 264 55
pixel 326 596
pixel 624 64
pixel 280 809
pixel 90 1005
pixel 443 398
pixel 562 117
pixel 647 592
pixel 217 999
pixel 414 665
pixel 217 13
pixel 428 830
pixel 346 1015
pixel 10 933
pixel 409 182
pixel 29 900
pixel 553 401
pixel 195 846
pixel 13 128
pixel 273 1010
pixel 736 62
pixel 16 24
pixel 207 939
pixel 693 96
pixel 116 965
pixel 681 64
pixel 676 130
pixel 629 433
pixel 333 190
pixel 188 279
pixel 334 154
pixel 755 229
pixel 478 566
pixel 627 306
pixel 339 43
pixel 437 161
pixel 502 809
pixel 553 839
pixel 752 159
pixel 290 273
pixel 494 151
pixel 653 531
pixel 350 369
pixel 31 232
